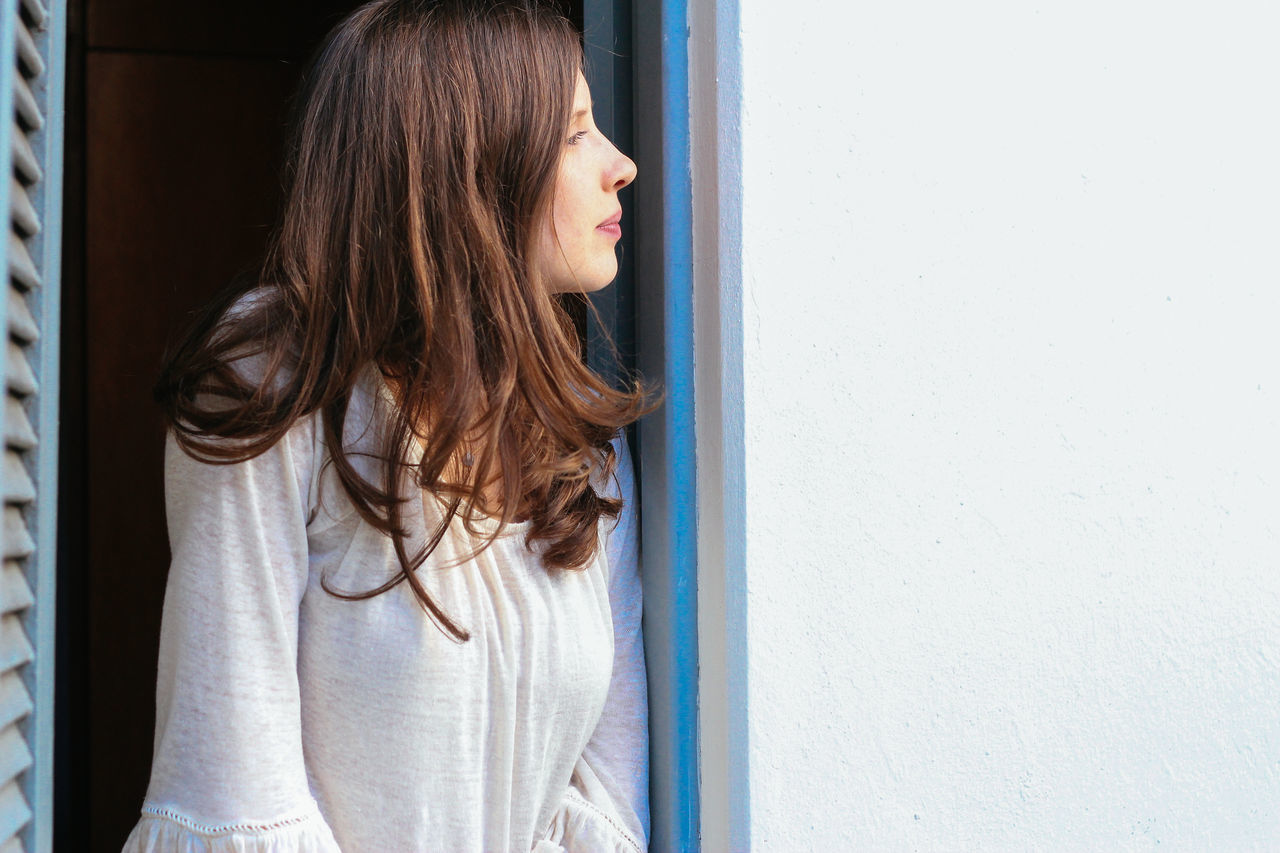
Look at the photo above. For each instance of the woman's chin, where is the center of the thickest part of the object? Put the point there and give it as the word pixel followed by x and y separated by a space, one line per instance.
pixel 585 283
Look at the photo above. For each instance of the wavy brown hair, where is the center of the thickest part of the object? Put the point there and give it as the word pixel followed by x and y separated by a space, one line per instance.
pixel 425 145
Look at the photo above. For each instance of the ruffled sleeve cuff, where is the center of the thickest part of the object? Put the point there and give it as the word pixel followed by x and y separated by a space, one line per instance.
pixel 163 830
pixel 581 827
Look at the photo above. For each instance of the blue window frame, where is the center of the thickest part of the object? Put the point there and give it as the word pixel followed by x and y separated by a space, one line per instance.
pixel 638 54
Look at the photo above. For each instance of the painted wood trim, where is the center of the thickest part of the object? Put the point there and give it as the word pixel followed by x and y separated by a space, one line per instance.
pixel 49 148
pixel 664 331
pixel 715 109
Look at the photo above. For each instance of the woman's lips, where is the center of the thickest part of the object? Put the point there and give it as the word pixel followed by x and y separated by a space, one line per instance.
pixel 612 226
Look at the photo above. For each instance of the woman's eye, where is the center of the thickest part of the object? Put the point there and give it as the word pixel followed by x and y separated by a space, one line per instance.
pixel 573 140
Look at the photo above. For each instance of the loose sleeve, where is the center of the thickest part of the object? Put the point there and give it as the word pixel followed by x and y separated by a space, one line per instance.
pixel 606 808
pixel 227 772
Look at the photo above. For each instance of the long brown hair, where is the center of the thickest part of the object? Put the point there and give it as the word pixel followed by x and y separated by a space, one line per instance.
pixel 424 152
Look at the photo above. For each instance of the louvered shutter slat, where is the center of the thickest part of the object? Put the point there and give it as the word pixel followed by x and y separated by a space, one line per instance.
pixel 15 595
pixel 25 162
pixel 24 103
pixel 14 755
pixel 15 702
pixel 23 212
pixel 36 12
pixel 22 324
pixel 14 812
pixel 21 267
pixel 18 432
pixel 17 539
pixel 15 649
pixel 22 379
pixel 18 487
pixel 28 54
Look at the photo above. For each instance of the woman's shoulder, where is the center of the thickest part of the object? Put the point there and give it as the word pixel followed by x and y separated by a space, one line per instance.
pixel 259 297
pixel 227 398
pixel 260 321
pixel 250 332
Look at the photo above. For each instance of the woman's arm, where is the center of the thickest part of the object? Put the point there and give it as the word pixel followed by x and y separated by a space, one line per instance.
pixel 228 770
pixel 607 805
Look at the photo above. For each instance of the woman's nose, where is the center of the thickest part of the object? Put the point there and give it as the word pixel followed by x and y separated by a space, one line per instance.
pixel 622 171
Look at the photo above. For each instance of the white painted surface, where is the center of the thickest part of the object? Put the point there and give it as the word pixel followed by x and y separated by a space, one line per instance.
pixel 1011 283
pixel 716 172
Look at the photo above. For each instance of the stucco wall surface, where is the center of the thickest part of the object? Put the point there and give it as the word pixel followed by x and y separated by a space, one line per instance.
pixel 1011 283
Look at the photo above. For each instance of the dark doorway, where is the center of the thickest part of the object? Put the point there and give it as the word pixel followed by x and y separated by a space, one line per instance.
pixel 174 129
pixel 175 122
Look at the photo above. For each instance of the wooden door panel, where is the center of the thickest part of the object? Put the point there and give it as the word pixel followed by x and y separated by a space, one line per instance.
pixel 180 193
pixel 284 28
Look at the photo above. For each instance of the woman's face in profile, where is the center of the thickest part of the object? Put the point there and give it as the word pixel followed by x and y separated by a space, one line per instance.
pixel 575 250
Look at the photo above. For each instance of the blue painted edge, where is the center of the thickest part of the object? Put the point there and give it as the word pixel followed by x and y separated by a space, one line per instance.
pixel 678 413
pixel 53 45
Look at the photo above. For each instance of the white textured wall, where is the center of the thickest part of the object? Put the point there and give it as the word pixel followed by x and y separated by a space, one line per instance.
pixel 1012 398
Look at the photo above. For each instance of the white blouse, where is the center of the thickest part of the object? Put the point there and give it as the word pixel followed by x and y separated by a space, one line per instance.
pixel 288 719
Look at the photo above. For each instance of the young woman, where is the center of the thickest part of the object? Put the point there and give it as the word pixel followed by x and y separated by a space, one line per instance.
pixel 403 612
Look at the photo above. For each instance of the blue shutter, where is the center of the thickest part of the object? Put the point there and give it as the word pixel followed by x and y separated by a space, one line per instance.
pixel 32 49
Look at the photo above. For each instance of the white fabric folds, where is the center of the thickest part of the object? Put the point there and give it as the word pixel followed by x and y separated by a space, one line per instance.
pixel 581 827
pixel 289 719
pixel 165 831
